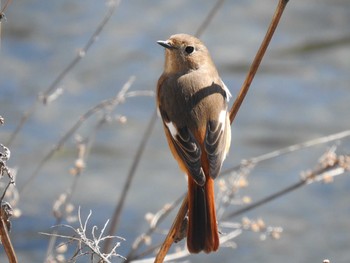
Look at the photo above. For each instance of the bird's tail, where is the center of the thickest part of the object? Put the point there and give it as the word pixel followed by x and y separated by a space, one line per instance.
pixel 202 232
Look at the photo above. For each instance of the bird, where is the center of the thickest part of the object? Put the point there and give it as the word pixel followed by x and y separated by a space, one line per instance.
pixel 192 101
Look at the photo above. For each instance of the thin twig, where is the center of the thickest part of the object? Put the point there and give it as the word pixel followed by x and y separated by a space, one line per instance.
pixel 6 210
pixel 184 253
pixel 6 241
pixel 5 154
pixel 81 54
pixel 290 149
pixel 51 89
pixel 2 15
pixel 68 195
pixel 130 177
pixel 5 6
pixel 258 57
pixel 265 200
pixel 320 173
pixel 119 98
pixel 209 18
pixel 153 225
pixel 171 237
pixel 5 213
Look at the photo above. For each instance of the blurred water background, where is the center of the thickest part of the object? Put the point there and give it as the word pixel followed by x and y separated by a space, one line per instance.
pixel 301 92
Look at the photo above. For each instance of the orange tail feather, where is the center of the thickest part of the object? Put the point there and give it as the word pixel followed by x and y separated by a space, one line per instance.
pixel 202 232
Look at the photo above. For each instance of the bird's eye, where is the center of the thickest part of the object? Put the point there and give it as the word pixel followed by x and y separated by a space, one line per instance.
pixel 189 49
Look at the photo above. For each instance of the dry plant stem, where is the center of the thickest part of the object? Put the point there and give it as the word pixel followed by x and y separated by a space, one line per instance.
pixel 22 121
pixel 153 226
pixel 82 155
pixel 265 200
pixel 209 18
pixel 304 181
pixel 257 60
pixel 120 97
pixel 7 186
pixel 51 89
pixel 170 238
pixel 131 256
pixel 6 241
pixel 291 148
pixel 130 177
pixel 2 15
pixel 5 208
pixel 5 6
pixel 59 220
pixel 82 52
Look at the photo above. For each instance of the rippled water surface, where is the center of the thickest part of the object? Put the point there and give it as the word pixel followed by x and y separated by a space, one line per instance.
pixel 301 92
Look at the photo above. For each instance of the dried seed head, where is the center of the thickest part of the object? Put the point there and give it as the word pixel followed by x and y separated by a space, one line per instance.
pixel 149 217
pixel 246 199
pixel 61 248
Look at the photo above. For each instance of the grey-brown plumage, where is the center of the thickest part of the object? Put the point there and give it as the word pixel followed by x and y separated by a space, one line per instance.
pixel 192 101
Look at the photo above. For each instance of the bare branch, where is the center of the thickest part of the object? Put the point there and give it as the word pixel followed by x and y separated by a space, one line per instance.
pixel 258 58
pixel 46 96
pixel 329 166
pixel 106 105
pixel 131 174
pixel 209 18
pixel 5 214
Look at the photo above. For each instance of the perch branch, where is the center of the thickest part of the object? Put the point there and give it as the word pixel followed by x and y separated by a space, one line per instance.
pixel 258 57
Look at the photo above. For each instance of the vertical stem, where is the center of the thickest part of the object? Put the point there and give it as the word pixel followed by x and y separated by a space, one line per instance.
pixel 170 238
pixel 258 57
pixel 117 213
pixel 5 238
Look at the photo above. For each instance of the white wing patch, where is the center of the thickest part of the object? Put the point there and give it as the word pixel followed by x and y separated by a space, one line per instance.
pixel 173 130
pixel 222 118
pixel 228 93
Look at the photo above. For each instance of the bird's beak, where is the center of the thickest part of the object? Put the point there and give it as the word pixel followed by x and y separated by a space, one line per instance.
pixel 165 44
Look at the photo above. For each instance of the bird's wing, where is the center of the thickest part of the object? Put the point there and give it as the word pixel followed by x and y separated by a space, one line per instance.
pixel 187 149
pixel 216 143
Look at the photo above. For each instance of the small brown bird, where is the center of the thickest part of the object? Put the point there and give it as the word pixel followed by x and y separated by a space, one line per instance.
pixel 192 101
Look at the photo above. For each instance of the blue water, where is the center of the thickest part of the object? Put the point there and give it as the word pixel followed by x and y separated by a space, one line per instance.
pixel 301 92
